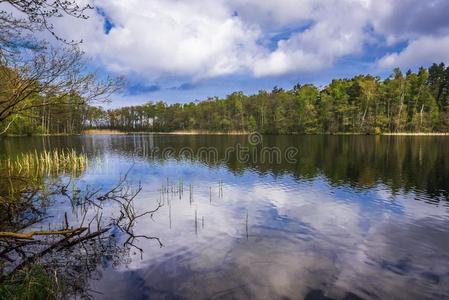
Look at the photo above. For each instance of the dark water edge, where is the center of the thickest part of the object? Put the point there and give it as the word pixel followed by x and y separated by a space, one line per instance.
pixel 351 217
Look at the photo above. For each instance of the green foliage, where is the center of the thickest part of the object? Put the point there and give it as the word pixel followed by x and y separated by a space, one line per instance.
pixel 66 115
pixel 30 284
pixel 415 102
pixel 411 102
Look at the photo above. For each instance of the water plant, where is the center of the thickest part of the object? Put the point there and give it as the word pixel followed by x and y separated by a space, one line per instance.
pixel 45 163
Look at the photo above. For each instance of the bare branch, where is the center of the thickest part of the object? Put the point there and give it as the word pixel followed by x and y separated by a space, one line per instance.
pixel 37 15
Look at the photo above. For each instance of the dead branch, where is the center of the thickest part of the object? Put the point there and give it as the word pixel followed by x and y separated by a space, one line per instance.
pixel 22 249
pixel 30 235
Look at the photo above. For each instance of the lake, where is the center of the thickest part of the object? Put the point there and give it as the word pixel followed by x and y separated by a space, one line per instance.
pixel 272 217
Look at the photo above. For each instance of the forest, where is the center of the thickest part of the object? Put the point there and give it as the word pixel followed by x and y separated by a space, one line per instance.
pixel 410 102
pixel 414 102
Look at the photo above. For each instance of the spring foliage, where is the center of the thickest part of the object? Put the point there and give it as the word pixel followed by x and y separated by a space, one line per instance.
pixel 411 102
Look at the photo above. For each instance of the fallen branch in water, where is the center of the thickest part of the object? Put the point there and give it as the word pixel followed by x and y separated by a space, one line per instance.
pixel 52 248
pixel 30 235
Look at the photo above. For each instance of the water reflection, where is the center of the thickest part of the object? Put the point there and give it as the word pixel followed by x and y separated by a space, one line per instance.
pixel 401 163
pixel 354 217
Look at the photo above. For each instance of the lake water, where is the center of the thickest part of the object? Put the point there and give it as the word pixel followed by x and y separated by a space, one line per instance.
pixel 275 217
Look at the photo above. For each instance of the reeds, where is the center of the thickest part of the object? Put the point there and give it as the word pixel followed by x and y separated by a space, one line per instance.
pixel 46 162
pixel 102 132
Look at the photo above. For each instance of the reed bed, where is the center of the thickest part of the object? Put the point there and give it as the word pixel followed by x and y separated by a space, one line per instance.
pixel 102 132
pixel 46 162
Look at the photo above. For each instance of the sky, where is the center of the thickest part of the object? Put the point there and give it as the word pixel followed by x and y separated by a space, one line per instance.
pixel 182 51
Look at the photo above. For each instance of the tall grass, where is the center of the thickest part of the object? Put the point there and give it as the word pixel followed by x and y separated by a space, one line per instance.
pixel 45 163
pixel 32 283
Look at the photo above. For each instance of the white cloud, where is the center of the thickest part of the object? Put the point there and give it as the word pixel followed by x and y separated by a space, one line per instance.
pixel 422 51
pixel 273 13
pixel 338 30
pixel 409 19
pixel 196 39
pixel 157 38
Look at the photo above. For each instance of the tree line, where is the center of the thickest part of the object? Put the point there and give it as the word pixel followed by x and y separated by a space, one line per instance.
pixel 410 102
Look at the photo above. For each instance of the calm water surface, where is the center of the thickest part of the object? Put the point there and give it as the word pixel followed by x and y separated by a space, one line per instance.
pixel 349 218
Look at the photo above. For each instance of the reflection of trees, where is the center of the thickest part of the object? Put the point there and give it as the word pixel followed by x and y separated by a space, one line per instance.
pixel 68 250
pixel 408 163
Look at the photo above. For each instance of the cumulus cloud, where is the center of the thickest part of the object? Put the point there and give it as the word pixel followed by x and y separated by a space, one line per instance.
pixel 195 39
pixel 158 38
pixel 422 25
pixel 422 51
pixel 335 33
pixel 405 19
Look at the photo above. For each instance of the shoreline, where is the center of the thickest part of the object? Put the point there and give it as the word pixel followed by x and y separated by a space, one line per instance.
pixel 416 134
pixel 232 133
pixel 194 132
pixel 191 133
pixel 292 134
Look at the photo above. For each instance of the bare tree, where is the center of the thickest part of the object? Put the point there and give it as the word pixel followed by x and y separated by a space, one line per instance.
pixel 34 75
pixel 43 78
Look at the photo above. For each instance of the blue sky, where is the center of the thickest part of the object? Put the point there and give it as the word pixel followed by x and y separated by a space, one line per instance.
pixel 181 51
